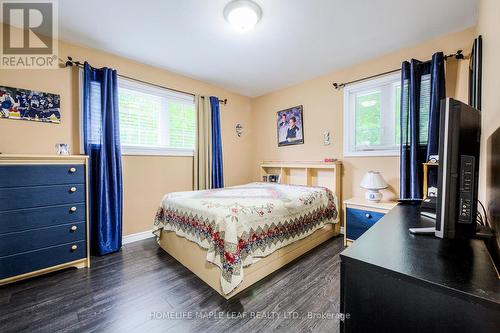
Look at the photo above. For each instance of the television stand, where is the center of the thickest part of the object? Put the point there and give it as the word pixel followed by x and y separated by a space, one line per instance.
pixel 395 281
pixel 423 231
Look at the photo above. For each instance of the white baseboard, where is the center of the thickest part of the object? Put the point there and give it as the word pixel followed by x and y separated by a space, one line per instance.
pixel 137 237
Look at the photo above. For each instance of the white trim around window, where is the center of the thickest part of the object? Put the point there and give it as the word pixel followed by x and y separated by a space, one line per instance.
pixel 386 84
pixel 167 95
pixel 132 150
pixel 144 150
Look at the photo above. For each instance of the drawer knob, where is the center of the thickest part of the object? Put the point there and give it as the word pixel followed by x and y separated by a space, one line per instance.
pixel 368 216
pixel 73 189
pixel 72 170
pixel 72 209
pixel 74 228
pixel 74 247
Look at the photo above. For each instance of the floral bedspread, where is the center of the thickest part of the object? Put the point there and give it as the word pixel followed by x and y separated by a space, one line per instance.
pixel 238 225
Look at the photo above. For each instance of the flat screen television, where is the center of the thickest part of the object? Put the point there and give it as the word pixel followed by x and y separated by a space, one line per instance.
pixel 458 171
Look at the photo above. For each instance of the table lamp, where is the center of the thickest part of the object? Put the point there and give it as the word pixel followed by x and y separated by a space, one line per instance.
pixel 373 182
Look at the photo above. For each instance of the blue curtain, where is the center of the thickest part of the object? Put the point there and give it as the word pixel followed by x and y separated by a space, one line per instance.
pixel 420 101
pixel 438 92
pixel 101 135
pixel 217 168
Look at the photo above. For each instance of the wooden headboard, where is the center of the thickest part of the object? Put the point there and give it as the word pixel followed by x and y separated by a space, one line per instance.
pixel 327 174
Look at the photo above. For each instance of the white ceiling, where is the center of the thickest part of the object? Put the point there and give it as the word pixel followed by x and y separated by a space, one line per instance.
pixel 296 40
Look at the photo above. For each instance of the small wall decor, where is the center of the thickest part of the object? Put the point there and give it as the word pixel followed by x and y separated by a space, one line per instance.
pixel 62 149
pixel 326 137
pixel 290 126
pixel 239 129
pixel 24 104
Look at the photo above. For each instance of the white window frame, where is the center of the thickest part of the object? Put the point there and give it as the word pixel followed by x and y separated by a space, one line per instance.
pixel 136 150
pixel 139 150
pixel 350 92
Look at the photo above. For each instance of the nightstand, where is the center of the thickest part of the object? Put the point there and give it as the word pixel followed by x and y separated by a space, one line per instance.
pixel 361 214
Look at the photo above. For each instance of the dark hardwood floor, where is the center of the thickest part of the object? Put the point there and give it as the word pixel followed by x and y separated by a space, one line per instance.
pixel 143 289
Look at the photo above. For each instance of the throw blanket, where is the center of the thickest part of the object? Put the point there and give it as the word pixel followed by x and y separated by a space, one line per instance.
pixel 238 225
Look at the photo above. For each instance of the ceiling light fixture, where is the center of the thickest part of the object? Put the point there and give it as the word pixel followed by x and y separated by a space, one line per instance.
pixel 243 15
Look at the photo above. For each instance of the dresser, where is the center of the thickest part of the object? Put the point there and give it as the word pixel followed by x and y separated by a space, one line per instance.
pixel 43 215
pixel 361 215
pixel 395 281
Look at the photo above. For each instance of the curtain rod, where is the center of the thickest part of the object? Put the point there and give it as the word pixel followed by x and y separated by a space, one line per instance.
pixel 72 63
pixel 457 55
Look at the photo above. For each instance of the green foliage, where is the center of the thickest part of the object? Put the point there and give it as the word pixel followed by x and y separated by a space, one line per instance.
pixel 368 119
pixel 368 116
pixel 182 125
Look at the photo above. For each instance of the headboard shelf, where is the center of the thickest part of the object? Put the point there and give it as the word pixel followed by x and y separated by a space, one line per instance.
pixel 313 173
pixel 301 165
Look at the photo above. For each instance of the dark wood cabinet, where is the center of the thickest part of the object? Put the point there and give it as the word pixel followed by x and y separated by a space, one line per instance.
pixel 393 281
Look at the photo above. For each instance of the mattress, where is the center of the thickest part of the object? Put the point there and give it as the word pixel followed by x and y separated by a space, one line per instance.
pixel 238 225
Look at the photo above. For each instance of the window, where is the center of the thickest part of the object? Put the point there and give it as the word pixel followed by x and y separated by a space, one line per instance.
pixel 372 110
pixel 155 121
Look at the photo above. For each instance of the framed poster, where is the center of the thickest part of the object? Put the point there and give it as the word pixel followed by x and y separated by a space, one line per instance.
pixel 32 105
pixel 290 127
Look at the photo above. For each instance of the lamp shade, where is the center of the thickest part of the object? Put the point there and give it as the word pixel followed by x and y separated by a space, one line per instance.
pixel 372 180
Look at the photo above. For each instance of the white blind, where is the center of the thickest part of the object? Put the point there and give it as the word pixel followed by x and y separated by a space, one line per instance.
pixel 425 105
pixel 155 119
pixel 182 126
pixel 95 114
pixel 139 118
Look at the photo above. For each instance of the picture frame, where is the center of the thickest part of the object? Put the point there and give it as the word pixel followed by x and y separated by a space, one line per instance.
pixel 24 104
pixel 290 126
pixel 62 149
pixel 274 179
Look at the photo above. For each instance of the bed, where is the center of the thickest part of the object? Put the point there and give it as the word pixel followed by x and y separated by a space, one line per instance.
pixel 235 236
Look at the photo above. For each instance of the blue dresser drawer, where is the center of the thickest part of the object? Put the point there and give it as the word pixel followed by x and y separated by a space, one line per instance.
pixel 30 240
pixel 34 218
pixel 32 175
pixel 358 221
pixel 43 215
pixel 29 197
pixel 35 260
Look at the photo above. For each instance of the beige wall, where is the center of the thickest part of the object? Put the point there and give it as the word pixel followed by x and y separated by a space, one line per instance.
pixel 146 179
pixel 323 110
